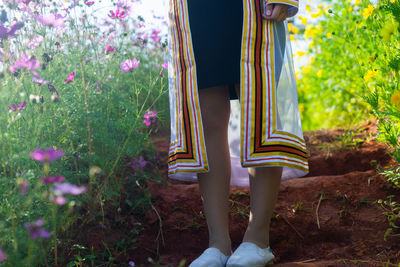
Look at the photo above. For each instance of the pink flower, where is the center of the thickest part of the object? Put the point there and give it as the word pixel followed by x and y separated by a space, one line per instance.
pixel 52 179
pixel 150 117
pixel 129 64
pixel 165 65
pixel 54 20
pixel 39 80
pixel 30 64
pixel 89 3
pixel 154 35
pixel 48 155
pixel 70 77
pixel 2 256
pixel 19 107
pixel 59 200
pixel 118 14
pixel 67 188
pixel 109 49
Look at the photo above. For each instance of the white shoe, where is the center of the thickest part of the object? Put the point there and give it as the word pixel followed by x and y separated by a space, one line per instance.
pixel 211 257
pixel 250 255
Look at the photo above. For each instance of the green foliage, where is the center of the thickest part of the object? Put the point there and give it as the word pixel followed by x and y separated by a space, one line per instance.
pixel 96 119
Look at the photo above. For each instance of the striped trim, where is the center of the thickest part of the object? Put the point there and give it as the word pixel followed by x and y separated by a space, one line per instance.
pixel 294 3
pixel 187 147
pixel 261 142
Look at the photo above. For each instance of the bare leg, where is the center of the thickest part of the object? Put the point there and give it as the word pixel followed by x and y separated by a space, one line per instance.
pixel 214 186
pixel 264 189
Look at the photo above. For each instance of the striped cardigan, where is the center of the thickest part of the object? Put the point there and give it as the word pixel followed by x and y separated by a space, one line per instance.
pixel 270 127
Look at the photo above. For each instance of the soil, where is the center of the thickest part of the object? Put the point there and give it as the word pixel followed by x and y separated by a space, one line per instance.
pixel 327 218
pixel 343 183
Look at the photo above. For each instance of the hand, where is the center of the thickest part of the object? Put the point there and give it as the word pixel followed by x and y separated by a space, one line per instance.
pixel 276 12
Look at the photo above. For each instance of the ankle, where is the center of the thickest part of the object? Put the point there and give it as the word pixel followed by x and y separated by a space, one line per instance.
pixel 226 249
pixel 258 237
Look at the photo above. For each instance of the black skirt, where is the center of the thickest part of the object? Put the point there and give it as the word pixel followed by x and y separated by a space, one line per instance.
pixel 216 29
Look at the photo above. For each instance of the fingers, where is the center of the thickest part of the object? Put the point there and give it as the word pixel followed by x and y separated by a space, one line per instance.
pixel 276 12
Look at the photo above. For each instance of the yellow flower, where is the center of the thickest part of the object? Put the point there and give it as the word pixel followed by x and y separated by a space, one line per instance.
pixel 395 99
pixel 370 74
pixel 319 73
pixel 302 19
pixel 318 14
pixel 312 31
pixel 368 11
pixel 289 25
pixel 295 30
pixel 308 8
pixel 320 6
pixel 301 108
pixel 312 59
pixel 301 53
pixel 329 35
pixel 392 1
pixel 291 37
pixel 350 9
pixel 357 2
pixel 388 30
pixel 306 69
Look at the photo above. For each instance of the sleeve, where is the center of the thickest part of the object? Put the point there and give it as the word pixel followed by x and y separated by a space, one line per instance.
pixel 292 9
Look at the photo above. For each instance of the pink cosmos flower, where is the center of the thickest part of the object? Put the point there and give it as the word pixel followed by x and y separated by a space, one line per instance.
pixel 35 230
pixel 118 14
pixel 150 117
pixel 129 64
pixel 67 188
pixel 52 179
pixel 165 65
pixel 89 3
pixel 154 35
pixel 24 62
pixel 39 80
pixel 47 155
pixel 54 20
pixel 2 256
pixel 19 107
pixel 109 49
pixel 70 77
pixel 59 200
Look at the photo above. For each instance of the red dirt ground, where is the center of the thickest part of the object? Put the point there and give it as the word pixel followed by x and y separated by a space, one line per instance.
pixel 351 227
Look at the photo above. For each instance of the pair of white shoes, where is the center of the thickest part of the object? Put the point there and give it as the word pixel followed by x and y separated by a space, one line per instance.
pixel 246 255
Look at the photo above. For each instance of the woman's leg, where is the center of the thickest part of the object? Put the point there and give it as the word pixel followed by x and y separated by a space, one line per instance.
pixel 215 185
pixel 264 189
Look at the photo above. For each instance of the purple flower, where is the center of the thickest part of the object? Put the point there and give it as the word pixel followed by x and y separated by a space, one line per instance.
pixel 52 179
pixel 138 162
pixel 67 188
pixel 129 64
pixel 131 263
pixel 4 32
pixel 48 155
pixel 35 230
pixel 19 107
pixel 2 256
